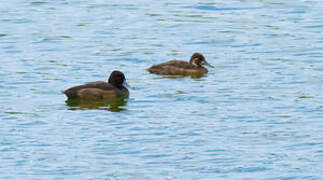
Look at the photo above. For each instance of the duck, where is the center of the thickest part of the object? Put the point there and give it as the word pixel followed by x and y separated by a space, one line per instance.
pixel 100 90
pixel 178 67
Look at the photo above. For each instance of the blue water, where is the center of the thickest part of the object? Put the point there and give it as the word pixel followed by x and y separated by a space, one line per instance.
pixel 257 115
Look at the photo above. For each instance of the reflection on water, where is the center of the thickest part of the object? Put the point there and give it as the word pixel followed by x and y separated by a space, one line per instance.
pixel 196 76
pixel 113 105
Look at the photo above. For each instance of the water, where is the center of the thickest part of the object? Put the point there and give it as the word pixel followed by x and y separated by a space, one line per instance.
pixel 257 115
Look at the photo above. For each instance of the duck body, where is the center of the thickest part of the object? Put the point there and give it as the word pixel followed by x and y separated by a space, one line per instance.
pixel 178 67
pixel 96 90
pixel 100 89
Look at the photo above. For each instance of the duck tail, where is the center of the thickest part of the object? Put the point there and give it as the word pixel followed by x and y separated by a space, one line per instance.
pixel 70 93
pixel 151 70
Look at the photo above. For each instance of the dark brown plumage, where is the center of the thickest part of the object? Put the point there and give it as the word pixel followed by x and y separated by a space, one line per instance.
pixel 100 89
pixel 177 67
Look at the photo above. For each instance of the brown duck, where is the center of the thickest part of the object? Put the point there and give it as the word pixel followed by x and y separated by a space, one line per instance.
pixel 177 67
pixel 100 89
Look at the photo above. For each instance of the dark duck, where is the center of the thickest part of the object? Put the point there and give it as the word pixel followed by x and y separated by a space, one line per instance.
pixel 100 89
pixel 177 67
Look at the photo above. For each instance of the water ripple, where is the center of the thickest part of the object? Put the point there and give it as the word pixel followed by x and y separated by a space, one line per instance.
pixel 257 114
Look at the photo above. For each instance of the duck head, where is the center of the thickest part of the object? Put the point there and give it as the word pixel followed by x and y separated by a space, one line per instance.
pixel 198 59
pixel 117 79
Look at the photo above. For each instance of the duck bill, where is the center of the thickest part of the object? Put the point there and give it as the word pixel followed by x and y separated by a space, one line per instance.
pixel 207 64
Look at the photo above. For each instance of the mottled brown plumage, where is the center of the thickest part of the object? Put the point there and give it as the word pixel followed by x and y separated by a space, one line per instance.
pixel 100 89
pixel 177 67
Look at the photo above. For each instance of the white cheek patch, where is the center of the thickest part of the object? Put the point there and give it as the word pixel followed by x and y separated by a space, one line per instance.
pixel 194 61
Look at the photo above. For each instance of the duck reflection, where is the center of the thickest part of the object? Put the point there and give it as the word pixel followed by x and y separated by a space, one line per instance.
pixel 113 105
pixel 194 76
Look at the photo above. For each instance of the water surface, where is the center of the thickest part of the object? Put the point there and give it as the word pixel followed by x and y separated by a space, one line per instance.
pixel 257 115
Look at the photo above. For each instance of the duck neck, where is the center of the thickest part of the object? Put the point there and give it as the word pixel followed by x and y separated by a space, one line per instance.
pixel 119 86
pixel 115 84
